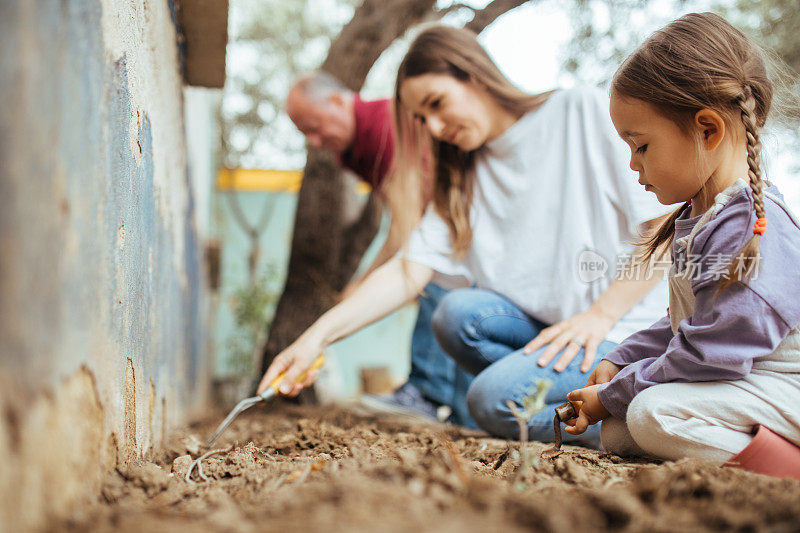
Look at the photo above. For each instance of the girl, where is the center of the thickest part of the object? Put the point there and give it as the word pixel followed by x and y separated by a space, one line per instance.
pixel 523 185
pixel 726 359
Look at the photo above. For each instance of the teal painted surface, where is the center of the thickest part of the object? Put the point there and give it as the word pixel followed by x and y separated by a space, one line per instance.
pixel 385 343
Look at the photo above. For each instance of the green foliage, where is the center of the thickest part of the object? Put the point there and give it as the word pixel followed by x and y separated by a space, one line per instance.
pixel 253 310
pixel 271 42
pixel 532 403
pixel 774 24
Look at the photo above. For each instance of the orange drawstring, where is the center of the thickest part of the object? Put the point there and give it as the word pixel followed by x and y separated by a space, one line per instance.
pixel 760 227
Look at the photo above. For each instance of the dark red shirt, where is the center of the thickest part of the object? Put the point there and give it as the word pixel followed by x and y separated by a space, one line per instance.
pixel 370 155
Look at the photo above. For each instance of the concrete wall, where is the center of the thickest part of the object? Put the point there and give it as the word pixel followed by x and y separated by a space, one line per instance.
pixel 102 297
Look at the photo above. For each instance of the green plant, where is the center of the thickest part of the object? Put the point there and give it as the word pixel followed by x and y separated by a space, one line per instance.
pixel 532 403
pixel 253 310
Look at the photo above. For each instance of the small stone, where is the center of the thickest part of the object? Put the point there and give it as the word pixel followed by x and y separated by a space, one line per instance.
pixel 416 487
pixel 181 465
pixel 192 444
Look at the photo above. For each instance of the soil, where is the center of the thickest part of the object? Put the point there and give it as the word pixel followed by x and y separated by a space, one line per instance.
pixel 328 469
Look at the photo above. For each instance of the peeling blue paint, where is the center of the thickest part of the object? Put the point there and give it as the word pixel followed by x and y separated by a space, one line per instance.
pixel 130 217
pixel 88 269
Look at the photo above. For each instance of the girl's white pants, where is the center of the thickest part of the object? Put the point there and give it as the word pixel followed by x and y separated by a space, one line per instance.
pixel 705 420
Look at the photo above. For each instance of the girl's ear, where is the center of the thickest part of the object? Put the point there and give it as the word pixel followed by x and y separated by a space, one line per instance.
pixel 711 128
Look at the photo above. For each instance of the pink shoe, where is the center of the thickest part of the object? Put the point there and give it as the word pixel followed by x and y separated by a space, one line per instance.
pixel 769 453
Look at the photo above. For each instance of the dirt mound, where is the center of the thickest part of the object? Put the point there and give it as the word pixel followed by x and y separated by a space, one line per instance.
pixel 331 470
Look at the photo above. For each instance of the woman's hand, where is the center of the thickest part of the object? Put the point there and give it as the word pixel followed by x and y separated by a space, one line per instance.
pixel 585 330
pixel 603 373
pixel 389 287
pixel 294 360
pixel 592 410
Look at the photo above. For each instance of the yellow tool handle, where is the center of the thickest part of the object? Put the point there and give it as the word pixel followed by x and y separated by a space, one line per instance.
pixel 318 362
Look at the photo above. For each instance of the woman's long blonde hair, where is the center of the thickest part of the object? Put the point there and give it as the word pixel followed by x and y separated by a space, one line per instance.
pixel 422 163
pixel 700 61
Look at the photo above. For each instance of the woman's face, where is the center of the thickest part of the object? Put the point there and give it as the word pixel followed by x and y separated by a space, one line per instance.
pixel 456 112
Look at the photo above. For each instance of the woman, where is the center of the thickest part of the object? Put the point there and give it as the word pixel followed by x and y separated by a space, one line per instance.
pixel 525 186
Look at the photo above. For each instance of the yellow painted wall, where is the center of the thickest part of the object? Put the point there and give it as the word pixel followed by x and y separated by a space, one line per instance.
pixel 252 179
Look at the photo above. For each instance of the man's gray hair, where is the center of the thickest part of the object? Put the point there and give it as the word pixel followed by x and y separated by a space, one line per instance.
pixel 318 86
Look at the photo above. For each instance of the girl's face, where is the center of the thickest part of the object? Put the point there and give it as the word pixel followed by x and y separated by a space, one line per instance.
pixel 665 156
pixel 456 112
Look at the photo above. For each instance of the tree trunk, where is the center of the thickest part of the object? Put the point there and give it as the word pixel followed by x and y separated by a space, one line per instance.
pixel 320 263
pixel 326 249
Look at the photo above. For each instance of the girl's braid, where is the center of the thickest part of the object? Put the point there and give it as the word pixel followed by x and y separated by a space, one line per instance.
pixel 746 104
pixel 749 257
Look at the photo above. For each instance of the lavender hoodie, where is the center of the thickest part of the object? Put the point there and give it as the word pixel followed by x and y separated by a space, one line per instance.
pixel 728 330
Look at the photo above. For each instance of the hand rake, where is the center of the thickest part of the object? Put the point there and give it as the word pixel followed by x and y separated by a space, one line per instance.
pixel 265 396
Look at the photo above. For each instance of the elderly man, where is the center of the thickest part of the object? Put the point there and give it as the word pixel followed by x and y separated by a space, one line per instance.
pixel 360 134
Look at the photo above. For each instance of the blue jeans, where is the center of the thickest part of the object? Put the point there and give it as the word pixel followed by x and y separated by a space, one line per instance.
pixel 433 372
pixel 484 332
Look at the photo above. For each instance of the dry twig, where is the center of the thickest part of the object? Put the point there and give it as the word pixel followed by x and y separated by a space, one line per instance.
pixel 564 412
pixel 295 477
pixel 458 463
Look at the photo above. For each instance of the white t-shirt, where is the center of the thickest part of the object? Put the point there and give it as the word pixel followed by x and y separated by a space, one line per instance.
pixel 554 201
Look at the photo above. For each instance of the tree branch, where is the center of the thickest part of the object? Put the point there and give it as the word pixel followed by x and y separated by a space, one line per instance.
pixel 357 238
pixel 374 27
pixel 453 7
pixel 490 13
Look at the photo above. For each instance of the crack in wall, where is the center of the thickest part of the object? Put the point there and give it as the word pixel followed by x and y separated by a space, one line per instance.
pixel 129 448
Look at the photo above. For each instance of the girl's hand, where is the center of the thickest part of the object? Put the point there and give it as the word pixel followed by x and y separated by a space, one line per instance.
pixel 603 373
pixel 592 411
pixel 294 360
pixel 585 330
